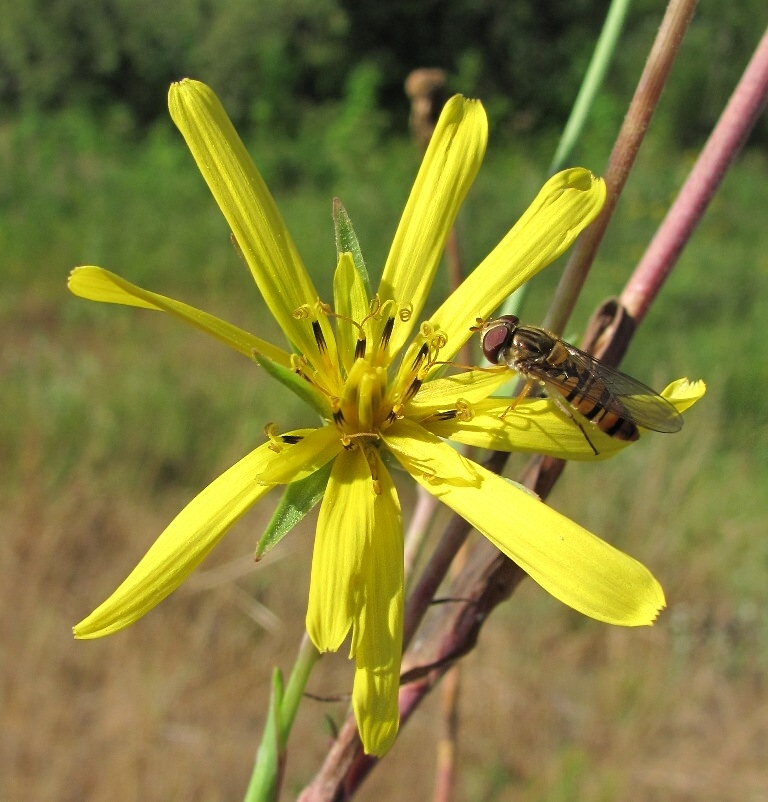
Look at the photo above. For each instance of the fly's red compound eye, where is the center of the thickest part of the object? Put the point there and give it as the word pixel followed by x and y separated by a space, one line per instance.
pixel 497 336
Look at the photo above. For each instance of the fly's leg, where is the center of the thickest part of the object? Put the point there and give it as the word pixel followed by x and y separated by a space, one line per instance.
pixel 527 387
pixel 555 399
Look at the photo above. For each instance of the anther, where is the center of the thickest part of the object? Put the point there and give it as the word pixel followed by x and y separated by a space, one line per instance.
pixel 386 333
pixel 420 357
pixel 413 388
pixel 319 337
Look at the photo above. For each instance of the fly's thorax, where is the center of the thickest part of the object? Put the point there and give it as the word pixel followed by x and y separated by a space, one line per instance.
pixel 533 345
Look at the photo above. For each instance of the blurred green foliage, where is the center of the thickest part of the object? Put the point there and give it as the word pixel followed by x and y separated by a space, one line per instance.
pixel 273 62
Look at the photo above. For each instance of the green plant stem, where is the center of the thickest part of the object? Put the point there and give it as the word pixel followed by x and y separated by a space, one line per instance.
pixel 641 109
pixel 266 779
pixel 726 140
pixel 590 86
pixel 294 690
pixel 593 80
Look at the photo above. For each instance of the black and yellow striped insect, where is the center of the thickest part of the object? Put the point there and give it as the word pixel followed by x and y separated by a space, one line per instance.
pixel 614 402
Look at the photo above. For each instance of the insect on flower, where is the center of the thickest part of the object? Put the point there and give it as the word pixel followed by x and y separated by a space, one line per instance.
pixel 614 402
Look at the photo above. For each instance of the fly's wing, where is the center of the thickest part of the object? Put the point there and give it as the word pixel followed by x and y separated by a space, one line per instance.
pixel 625 396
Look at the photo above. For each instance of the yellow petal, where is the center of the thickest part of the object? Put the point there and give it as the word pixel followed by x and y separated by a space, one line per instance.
pixel 182 546
pixel 533 426
pixel 442 394
pixel 569 562
pixel 683 394
pixel 298 460
pixel 567 203
pixel 536 426
pixel 344 529
pixel 251 212
pixel 449 167
pixel 97 284
pixel 410 441
pixel 377 637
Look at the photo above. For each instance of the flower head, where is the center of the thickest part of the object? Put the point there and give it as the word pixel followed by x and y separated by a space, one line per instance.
pixel 371 366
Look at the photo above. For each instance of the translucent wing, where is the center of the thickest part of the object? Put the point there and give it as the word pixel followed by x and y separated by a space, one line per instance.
pixel 590 379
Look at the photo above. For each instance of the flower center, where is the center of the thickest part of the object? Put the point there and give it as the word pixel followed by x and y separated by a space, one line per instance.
pixel 369 399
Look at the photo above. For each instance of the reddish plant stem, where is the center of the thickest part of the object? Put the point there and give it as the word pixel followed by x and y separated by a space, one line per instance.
pixel 732 129
pixel 631 135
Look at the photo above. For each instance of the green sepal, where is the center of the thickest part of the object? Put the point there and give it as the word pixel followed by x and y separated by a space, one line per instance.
pixel 295 384
pixel 298 499
pixel 267 773
pixel 346 242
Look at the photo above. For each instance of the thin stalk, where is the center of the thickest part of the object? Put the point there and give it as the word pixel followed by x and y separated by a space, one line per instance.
pixel 266 779
pixel 574 128
pixel 726 140
pixel 631 135
pixel 593 80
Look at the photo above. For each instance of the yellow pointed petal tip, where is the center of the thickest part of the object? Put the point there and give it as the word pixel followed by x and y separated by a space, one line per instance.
pixel 375 701
pixel 683 393
pixel 569 562
pixel 449 167
pixel 183 545
pixel 563 208
pixel 246 203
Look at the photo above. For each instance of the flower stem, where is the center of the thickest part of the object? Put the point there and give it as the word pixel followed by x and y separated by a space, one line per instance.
pixel 724 143
pixel 294 690
pixel 590 86
pixel 641 109
pixel 593 80
pixel 264 785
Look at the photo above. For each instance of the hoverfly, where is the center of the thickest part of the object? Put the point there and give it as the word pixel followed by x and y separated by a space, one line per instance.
pixel 614 402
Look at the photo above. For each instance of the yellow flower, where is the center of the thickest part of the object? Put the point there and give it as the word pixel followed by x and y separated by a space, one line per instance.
pixel 345 361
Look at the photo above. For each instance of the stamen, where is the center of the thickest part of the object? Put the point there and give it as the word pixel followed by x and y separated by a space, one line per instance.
pixel 276 443
pixel 360 345
pixel 413 388
pixel 420 357
pixel 319 337
pixel 464 411
pixel 383 307
pixel 373 467
pixel 347 439
pixel 386 333
pixel 299 367
pixel 436 342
